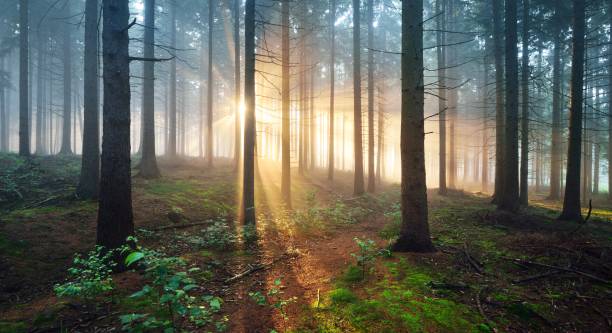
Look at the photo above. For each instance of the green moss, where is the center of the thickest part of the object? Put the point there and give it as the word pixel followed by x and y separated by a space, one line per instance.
pixel 12 327
pixel 12 248
pixel 353 274
pixel 342 295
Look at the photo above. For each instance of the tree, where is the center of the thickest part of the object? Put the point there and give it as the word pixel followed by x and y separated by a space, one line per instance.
pixel 498 51
pixel 90 161
pixel 115 220
pixel 571 201
pixel 24 127
pixel 414 232
pixel 237 142
pixel 610 106
pixel 524 172
pixel 67 60
pixel 441 57
pixel 510 195
pixel 171 149
pixel 148 163
pixel 248 182
pixel 332 86
pixel 556 144
pixel 357 131
pixel 371 171
pixel 286 104
pixel 210 83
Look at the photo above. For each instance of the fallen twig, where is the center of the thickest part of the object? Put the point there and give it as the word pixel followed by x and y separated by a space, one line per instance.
pixel 179 226
pixel 538 276
pixel 254 269
pixel 590 276
pixel 471 260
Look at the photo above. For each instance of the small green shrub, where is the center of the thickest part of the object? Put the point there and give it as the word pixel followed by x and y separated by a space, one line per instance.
pixel 89 276
pixel 342 295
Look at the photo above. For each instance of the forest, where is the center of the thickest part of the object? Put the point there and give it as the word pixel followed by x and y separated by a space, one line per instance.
pixel 305 166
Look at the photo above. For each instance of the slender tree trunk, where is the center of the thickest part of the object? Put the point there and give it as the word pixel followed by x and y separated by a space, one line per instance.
pixel 3 114
pixel 485 121
pixel 414 231
pixel 148 164
pixel 286 105
pixel 24 129
pixel 311 114
pixel 452 100
pixel 510 197
pixel 610 107
pixel 358 146
pixel 67 114
pixel 171 150
pixel 524 172
pixel 332 87
pixel 498 50
pixel 209 99
pixel 248 186
pixel 237 116
pixel 441 56
pixel 90 164
pixel 371 171
pixel 556 144
pixel 571 201
pixel 115 220
pixel 40 90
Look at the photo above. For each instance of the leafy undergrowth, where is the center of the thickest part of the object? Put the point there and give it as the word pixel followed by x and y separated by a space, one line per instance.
pixel 321 267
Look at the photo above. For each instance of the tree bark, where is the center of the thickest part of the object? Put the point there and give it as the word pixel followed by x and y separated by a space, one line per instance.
pixel 115 220
pixel 571 201
pixel 498 50
pixel 414 232
pixel 148 164
pixel 210 83
pixel 524 172
pixel 442 109
pixel 610 107
pixel 24 47
pixel 510 195
pixel 67 60
pixel 90 163
pixel 248 186
pixel 286 106
pixel 40 90
pixel 556 144
pixel 332 87
pixel 171 150
pixel 237 115
pixel 371 171
pixel 357 135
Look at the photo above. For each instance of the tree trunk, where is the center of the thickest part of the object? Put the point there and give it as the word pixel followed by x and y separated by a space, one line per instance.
pixel 24 128
pixel 148 164
pixel 441 56
pixel 414 232
pixel 485 122
pixel 357 135
pixel 510 195
pixel 3 114
pixel 67 60
pixel 286 106
pixel 115 220
pixel 40 90
pixel 237 115
pixel 498 50
pixel 210 83
pixel 371 171
pixel 571 201
pixel 452 101
pixel 90 163
pixel 524 172
pixel 556 144
pixel 248 186
pixel 610 107
pixel 171 150
pixel 332 86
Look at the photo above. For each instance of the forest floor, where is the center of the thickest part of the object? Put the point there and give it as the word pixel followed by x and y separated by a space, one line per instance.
pixel 306 271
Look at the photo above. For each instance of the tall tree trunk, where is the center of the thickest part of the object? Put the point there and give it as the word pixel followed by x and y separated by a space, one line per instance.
pixel 452 100
pixel 498 50
pixel 3 114
pixel 414 232
pixel 610 106
pixel 571 201
pixel 286 106
pixel 67 60
pixel 90 163
pixel 237 115
pixel 24 47
pixel 510 196
pixel 332 87
pixel 371 171
pixel 248 185
pixel 115 220
pixel 524 172
pixel 556 144
pixel 209 99
pixel 171 150
pixel 485 121
pixel 441 57
pixel 148 164
pixel 40 90
pixel 357 130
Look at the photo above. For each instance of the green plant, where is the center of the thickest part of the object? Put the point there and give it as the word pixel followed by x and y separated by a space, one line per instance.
pixel 219 236
pixel 89 276
pixel 274 298
pixel 171 289
pixel 368 251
